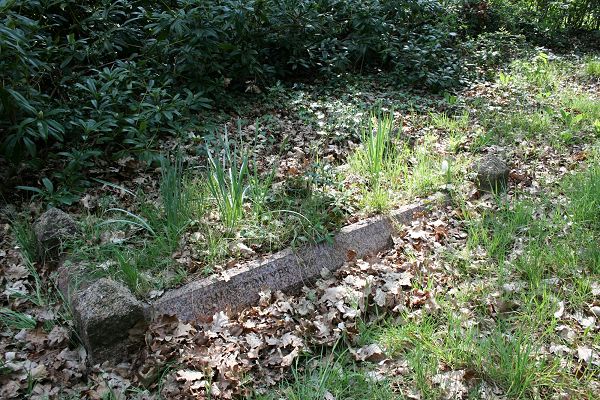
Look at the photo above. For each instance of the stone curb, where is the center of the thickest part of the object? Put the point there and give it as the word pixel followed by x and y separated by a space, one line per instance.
pixel 287 271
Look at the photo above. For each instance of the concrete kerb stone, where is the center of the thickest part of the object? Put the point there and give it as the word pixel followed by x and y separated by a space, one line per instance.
pixel 287 271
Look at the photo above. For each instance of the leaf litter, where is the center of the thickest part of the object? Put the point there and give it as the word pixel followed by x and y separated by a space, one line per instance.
pixel 235 356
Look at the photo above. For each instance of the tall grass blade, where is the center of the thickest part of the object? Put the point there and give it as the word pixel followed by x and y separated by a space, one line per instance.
pixel 175 198
pixel 137 220
pixel 16 320
pixel 227 183
pixel 376 144
pixel 115 186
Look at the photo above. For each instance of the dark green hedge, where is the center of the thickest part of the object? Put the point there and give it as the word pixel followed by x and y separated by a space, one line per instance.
pixel 114 74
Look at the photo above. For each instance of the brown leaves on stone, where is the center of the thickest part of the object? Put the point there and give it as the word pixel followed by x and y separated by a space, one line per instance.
pixel 229 356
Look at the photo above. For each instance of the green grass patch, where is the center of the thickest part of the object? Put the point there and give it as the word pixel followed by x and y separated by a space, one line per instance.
pixel 331 375
pixel 205 215
pixel 25 238
pixel 455 126
pixel 501 357
pixel 509 124
pixel 496 232
pixel 584 192
pixel 16 320
pixel 425 173
pixel 227 181
pixel 508 360
pixel 592 69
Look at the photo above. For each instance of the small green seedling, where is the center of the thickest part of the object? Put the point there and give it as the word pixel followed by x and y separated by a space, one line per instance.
pixel 50 194
pixel 451 99
pixel 505 79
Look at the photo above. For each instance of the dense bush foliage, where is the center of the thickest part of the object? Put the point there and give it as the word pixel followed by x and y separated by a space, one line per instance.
pixel 547 16
pixel 87 78
pixel 118 73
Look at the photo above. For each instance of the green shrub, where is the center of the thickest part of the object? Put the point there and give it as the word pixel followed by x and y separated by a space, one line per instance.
pixel 492 49
pixel 85 80
pixel 546 19
pixel 116 75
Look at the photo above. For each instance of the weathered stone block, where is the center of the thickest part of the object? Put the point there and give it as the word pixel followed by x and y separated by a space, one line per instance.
pixel 71 276
pixel 51 230
pixel 492 174
pixel 104 312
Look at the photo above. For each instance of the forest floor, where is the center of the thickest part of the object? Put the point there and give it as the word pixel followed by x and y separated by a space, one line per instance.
pixel 488 297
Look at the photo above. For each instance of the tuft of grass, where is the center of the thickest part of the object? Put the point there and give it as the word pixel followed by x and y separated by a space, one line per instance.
pixel 425 173
pixel 580 104
pixel 401 173
pixel 376 149
pixel 331 376
pixel 508 360
pixel 497 232
pixel 175 198
pixel 450 123
pixel 518 124
pixel 592 69
pixel 399 338
pixel 448 341
pixel 16 320
pixel 141 261
pixel 259 188
pixel 457 127
pixel 227 178
pixel 379 199
pixel 278 217
pixel 584 192
pixel 377 160
pixel 25 237
pixel 540 72
pixel 423 367
pixel 591 257
pixel 483 138
pixel 129 272
pixel 131 219
pixel 504 359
